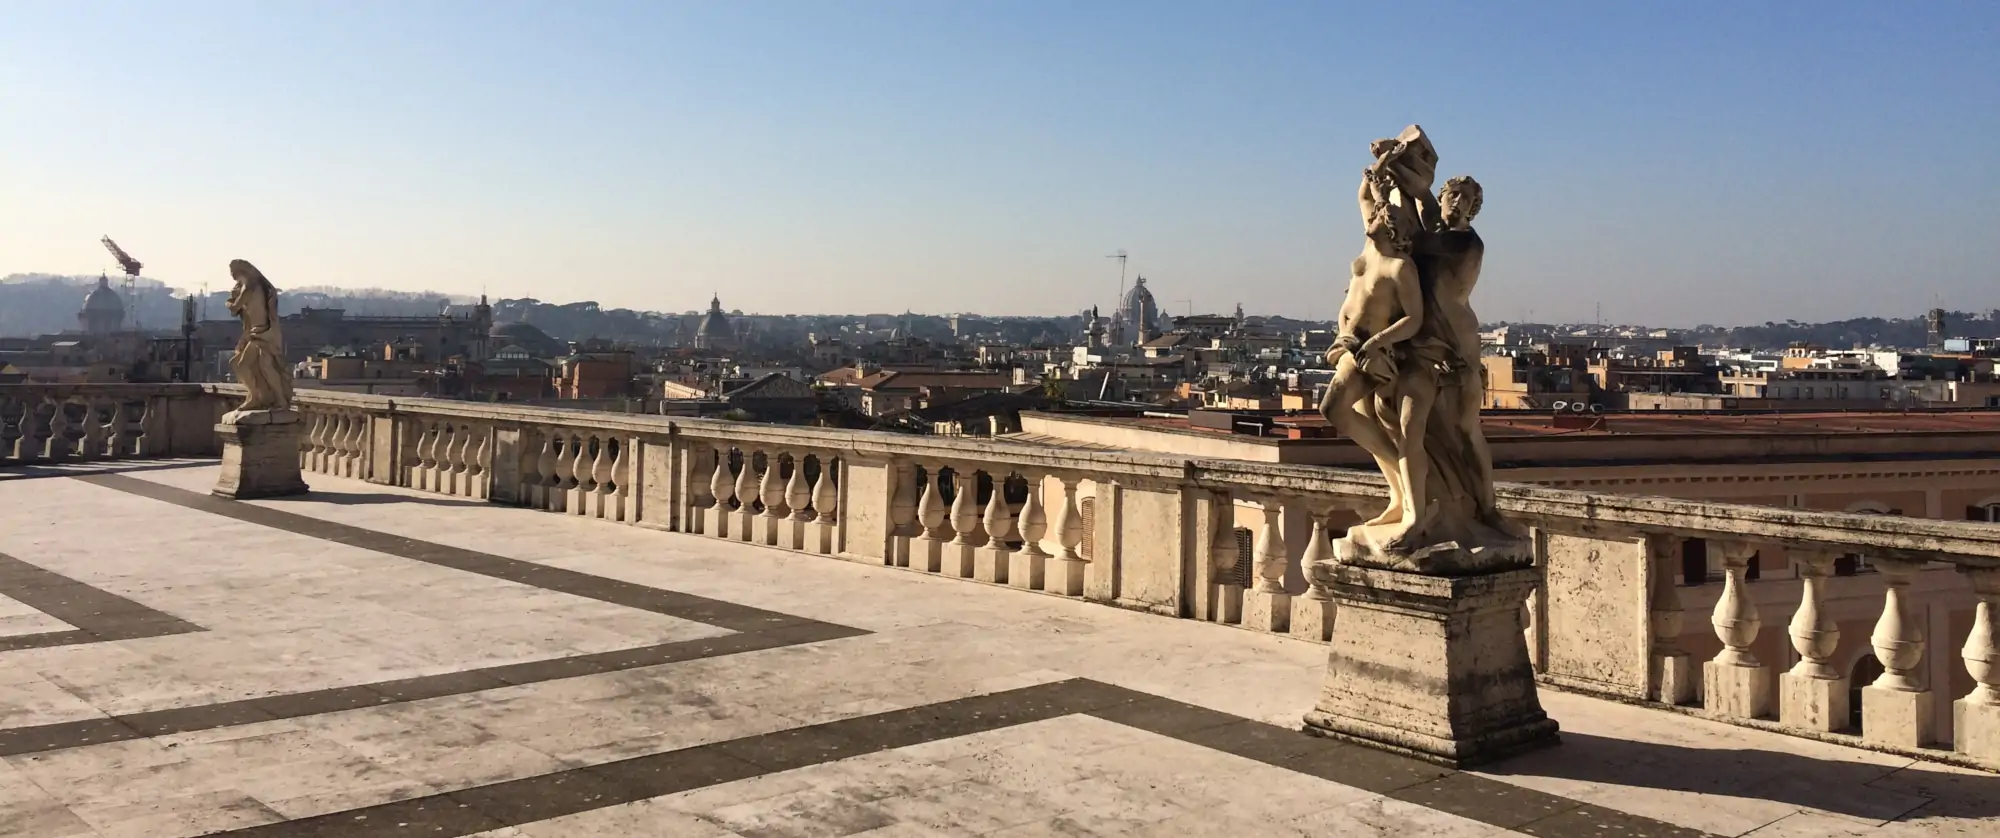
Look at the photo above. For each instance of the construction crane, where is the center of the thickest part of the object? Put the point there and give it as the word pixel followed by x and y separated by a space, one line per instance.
pixel 131 267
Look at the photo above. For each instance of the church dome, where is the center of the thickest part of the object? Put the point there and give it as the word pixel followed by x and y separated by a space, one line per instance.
pixel 103 300
pixel 1139 309
pixel 714 332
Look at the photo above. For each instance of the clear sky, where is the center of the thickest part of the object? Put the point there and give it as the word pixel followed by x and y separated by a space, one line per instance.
pixel 1675 162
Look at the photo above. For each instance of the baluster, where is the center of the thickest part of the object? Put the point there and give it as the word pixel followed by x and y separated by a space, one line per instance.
pixel 583 473
pixel 478 466
pixel 826 505
pixel 602 489
pixel 1266 606
pixel 1976 717
pixel 771 490
pixel 355 463
pixel 339 426
pixel 1069 535
pixel 309 447
pixel 746 496
pixel 965 522
pixel 91 446
pixel 1313 614
pixel 56 446
pixel 1223 557
pixel 798 495
pixel 1896 709
pixel 1813 694
pixel 461 466
pixel 330 436
pixel 541 495
pixel 618 477
pixel 1675 680
pixel 11 425
pixel 33 445
pixel 440 453
pixel 1030 566
pixel 420 474
pixel 1735 683
pixel 930 550
pixel 722 488
pixel 561 478
pixel 120 443
pixel 902 512
pixel 992 562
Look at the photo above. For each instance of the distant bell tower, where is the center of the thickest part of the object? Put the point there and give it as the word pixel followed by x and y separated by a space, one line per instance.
pixel 1934 323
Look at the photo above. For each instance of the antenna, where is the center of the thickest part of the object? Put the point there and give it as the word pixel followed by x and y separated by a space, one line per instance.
pixel 1120 299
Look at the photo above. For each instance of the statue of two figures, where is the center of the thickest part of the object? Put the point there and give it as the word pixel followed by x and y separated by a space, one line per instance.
pixel 1407 383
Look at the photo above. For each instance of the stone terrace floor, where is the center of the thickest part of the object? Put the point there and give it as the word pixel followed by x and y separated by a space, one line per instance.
pixel 370 661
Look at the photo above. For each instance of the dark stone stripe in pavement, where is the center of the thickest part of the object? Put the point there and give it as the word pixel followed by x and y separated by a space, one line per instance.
pixel 684 606
pixel 97 615
pixel 61 735
pixel 542 797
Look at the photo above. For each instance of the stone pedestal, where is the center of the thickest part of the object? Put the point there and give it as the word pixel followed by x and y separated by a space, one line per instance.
pixel 1976 729
pixel 991 563
pixel 1896 717
pixel 1267 610
pixel 1736 691
pixel 1028 569
pixel 260 454
pixel 1679 681
pixel 1434 667
pixel 1812 703
pixel 715 521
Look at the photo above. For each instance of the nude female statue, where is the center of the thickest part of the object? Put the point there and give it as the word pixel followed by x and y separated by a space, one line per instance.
pixel 1384 308
pixel 259 362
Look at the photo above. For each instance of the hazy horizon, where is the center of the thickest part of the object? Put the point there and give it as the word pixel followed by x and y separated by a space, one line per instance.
pixel 1702 163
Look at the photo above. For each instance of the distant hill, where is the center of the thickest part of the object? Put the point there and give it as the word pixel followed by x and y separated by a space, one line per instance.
pixel 40 304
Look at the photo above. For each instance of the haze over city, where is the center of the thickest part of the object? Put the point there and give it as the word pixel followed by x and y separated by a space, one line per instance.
pixel 1688 164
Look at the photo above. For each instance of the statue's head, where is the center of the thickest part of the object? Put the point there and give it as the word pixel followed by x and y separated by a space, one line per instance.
pixel 244 272
pixel 1412 154
pixel 1459 200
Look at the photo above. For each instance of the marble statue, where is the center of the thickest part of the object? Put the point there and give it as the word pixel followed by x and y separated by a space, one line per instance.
pixel 1407 382
pixel 259 362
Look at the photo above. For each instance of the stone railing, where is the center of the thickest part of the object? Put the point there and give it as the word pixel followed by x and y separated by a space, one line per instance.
pixel 1227 541
pixel 43 424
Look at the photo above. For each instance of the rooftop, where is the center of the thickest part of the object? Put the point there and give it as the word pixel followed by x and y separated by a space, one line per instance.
pixel 372 660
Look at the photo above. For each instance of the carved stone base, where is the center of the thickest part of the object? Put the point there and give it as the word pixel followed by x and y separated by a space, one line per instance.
pixel 1896 717
pixel 1812 703
pixel 1976 729
pixel 1028 569
pixel 1267 611
pixel 1067 576
pixel 991 563
pixel 1736 692
pixel 260 455
pixel 1678 677
pixel 1430 666
pixel 1451 548
pixel 1312 618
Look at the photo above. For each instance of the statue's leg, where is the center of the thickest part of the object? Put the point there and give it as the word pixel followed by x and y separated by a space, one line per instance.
pixel 1471 391
pixel 1415 395
pixel 1348 407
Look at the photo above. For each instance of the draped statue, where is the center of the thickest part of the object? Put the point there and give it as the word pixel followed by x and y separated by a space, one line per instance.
pixel 259 362
pixel 1407 383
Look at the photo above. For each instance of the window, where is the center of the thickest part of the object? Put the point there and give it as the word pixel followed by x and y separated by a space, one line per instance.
pixel 1694 561
pixel 1990 513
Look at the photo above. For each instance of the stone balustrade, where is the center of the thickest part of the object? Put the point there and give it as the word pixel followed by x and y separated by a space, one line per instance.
pixel 42 424
pixel 1227 541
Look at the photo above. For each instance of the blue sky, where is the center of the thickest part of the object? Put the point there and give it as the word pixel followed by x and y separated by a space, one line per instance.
pixel 1674 163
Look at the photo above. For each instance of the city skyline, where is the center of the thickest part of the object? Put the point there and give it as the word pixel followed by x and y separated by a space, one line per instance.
pixel 1721 165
